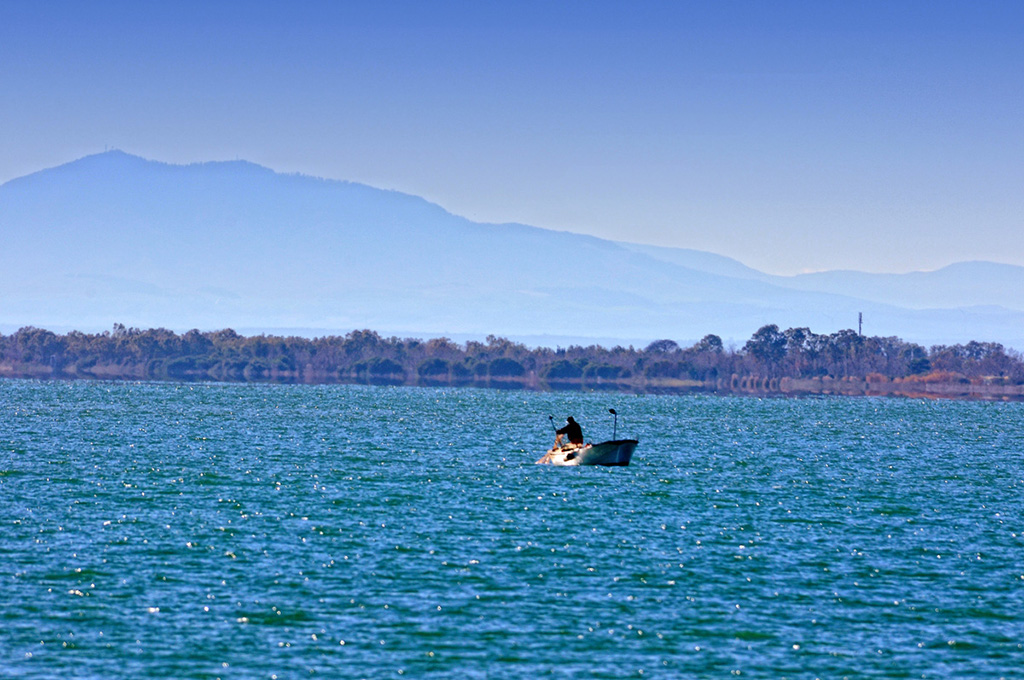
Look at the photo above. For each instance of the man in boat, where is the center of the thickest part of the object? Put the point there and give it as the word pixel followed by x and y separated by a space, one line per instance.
pixel 572 431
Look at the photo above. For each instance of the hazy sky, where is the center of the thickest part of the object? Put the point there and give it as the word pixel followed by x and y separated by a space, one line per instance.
pixel 882 136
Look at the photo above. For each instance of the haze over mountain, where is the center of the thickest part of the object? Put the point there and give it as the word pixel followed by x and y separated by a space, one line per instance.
pixel 117 238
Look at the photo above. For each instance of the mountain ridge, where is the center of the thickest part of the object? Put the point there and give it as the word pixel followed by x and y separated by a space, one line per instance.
pixel 115 237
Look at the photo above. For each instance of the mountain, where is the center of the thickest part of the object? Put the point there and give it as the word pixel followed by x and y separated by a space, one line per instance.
pixel 701 261
pixel 117 238
pixel 963 284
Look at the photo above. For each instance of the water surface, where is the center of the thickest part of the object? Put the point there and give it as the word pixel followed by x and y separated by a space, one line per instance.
pixel 254 531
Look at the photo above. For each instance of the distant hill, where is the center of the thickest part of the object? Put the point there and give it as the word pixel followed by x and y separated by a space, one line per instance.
pixel 117 238
pixel 701 261
pixel 965 284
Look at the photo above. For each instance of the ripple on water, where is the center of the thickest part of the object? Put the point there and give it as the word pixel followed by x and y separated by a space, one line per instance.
pixel 361 532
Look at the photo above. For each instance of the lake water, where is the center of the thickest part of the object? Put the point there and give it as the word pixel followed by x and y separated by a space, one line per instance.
pixel 261 531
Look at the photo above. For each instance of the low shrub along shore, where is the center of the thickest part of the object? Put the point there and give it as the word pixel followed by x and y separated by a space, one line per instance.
pixel 794 361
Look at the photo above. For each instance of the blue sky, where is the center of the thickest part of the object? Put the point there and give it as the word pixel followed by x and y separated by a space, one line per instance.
pixel 793 136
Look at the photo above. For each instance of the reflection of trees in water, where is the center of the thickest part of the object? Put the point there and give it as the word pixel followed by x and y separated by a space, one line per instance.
pixel 364 356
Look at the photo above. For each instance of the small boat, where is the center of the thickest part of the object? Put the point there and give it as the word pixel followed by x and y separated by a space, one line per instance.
pixel 615 452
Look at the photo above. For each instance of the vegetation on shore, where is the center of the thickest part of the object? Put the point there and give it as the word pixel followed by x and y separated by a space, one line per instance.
pixel 793 361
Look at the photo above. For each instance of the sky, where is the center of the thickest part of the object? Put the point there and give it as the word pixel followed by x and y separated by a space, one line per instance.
pixel 792 136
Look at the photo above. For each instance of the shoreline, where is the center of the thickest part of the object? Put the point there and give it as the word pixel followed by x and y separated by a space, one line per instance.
pixel 795 362
pixel 752 386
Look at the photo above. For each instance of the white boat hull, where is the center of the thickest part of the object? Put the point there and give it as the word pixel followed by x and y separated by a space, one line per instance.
pixel 612 453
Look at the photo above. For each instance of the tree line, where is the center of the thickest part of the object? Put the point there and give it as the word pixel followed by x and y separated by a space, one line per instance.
pixel 770 359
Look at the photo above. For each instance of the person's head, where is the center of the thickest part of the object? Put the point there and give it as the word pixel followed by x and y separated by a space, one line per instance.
pixel 570 420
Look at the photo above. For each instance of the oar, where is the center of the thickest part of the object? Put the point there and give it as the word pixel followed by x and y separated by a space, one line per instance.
pixel 615 427
pixel 547 456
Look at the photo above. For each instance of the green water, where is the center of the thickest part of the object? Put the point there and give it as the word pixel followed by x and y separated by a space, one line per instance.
pixel 258 531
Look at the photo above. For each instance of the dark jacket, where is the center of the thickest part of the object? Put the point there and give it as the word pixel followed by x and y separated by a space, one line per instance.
pixel 572 431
